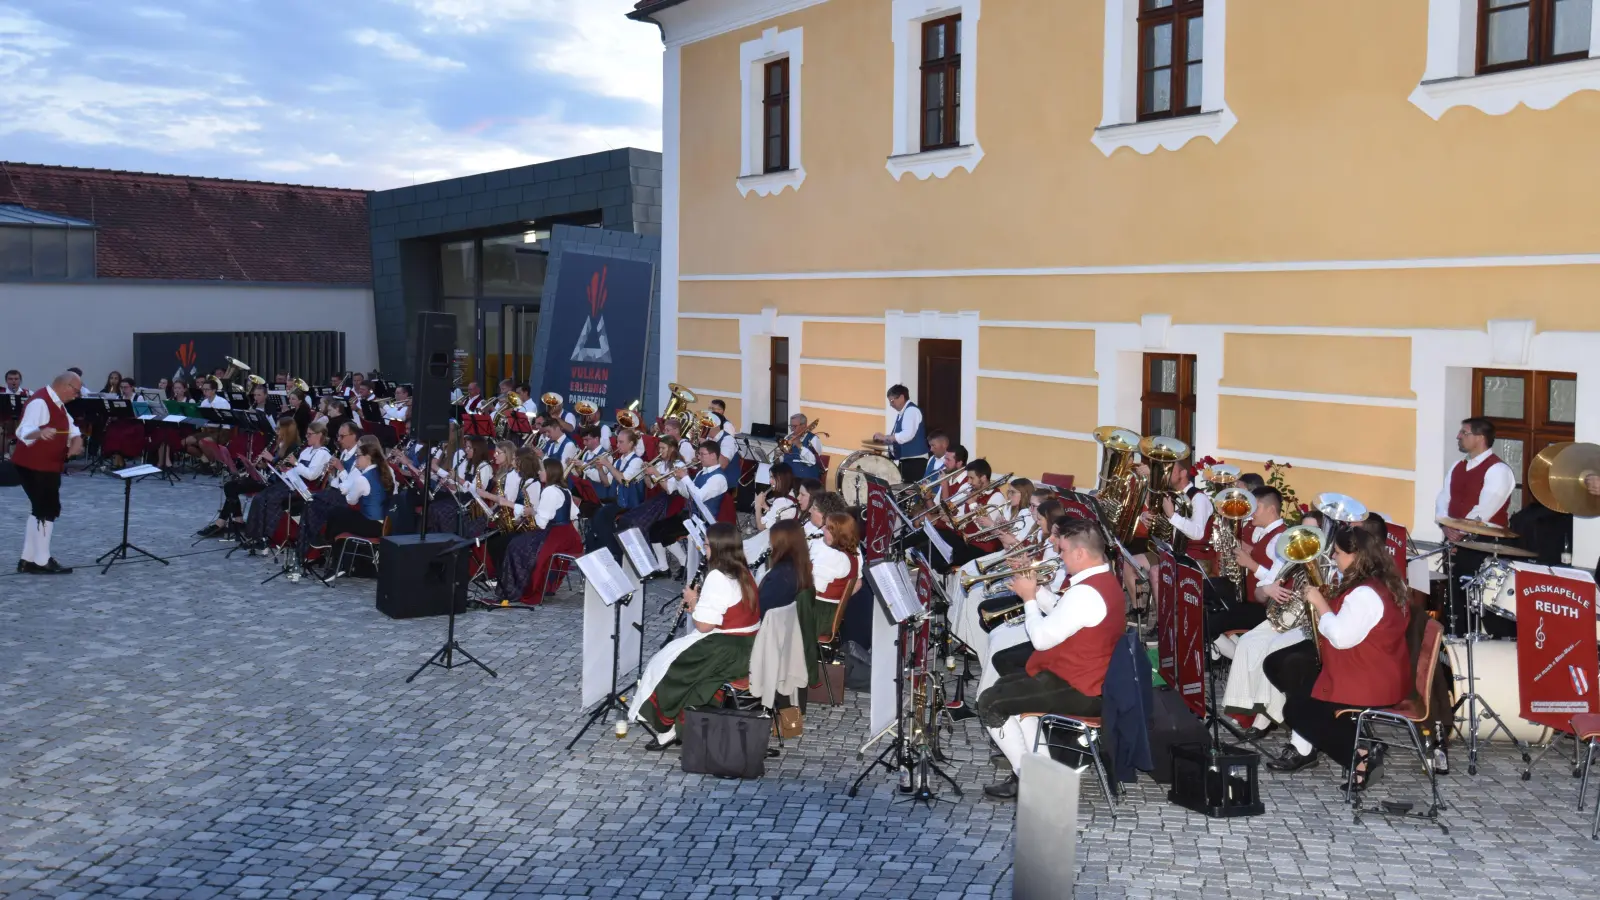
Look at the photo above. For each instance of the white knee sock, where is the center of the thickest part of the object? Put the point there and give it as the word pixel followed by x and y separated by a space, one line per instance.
pixel 661 555
pixel 1262 721
pixel 666 737
pixel 41 545
pixel 1015 738
pixel 1225 644
pixel 1301 744
pixel 29 538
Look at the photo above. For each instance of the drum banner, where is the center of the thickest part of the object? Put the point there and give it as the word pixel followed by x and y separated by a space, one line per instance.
pixel 925 578
pixel 879 530
pixel 1397 538
pixel 1166 596
pixel 1078 505
pixel 1556 653
pixel 1190 612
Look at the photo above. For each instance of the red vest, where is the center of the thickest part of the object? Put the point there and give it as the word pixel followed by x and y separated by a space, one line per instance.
pixel 1466 485
pixel 834 590
pixel 740 616
pixel 43 455
pixel 1375 672
pixel 1261 553
pixel 1082 660
pixel 1197 550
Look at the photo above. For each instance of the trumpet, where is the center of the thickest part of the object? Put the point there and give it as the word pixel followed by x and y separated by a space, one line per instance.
pixel 1039 571
pixel 787 442
pixel 995 530
pixel 1024 549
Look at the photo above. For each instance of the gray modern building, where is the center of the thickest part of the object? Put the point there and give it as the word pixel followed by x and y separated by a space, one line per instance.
pixel 485 247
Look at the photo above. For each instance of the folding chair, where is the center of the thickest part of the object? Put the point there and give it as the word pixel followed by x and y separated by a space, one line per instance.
pixel 358 547
pixel 1414 718
pixel 1083 732
pixel 1587 728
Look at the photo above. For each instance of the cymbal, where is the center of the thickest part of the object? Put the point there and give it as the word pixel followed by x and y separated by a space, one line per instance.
pixel 874 445
pixel 1494 549
pixel 1472 526
pixel 1556 478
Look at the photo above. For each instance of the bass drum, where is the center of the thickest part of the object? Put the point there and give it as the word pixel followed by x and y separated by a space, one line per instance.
pixel 1498 684
pixel 849 481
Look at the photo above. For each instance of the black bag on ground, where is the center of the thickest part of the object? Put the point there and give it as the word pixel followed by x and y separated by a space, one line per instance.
pixel 857 667
pixel 1171 723
pixel 725 742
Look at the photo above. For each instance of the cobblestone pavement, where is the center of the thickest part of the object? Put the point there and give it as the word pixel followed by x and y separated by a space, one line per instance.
pixel 181 731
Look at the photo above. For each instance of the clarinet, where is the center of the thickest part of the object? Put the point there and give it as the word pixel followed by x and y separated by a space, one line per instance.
pixel 683 610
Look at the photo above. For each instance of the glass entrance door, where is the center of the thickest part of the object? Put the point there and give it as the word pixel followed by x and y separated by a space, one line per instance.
pixel 506 330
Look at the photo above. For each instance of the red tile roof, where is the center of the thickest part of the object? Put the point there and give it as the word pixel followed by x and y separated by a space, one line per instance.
pixel 177 227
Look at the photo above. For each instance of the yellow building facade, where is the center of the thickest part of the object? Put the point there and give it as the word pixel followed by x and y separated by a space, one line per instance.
pixel 1358 235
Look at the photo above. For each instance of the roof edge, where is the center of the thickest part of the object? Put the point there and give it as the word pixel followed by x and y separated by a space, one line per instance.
pixel 646 8
pixel 243 183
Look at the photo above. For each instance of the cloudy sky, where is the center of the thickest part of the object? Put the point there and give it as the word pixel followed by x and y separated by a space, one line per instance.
pixel 350 93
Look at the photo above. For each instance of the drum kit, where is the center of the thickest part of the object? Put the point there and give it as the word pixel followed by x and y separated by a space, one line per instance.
pixel 872 459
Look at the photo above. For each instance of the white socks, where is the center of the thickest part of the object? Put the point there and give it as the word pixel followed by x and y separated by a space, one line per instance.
pixel 666 737
pixel 1262 721
pixel 36 543
pixel 1225 645
pixel 29 540
pixel 1301 744
pixel 661 556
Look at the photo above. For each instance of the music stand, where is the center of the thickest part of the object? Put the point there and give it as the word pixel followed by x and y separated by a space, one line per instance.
pixel 120 551
pixel 444 657
pixel 477 425
pixel 606 576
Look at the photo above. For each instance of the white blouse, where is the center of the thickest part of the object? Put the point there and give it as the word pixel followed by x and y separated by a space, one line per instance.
pixel 719 594
pixel 827 566
pixel 781 509
pixel 550 500
pixel 313 462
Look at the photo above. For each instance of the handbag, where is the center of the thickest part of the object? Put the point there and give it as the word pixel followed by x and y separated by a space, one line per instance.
pixel 728 743
pixel 791 722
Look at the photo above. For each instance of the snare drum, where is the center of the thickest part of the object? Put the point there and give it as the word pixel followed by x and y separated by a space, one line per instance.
pixel 1499 588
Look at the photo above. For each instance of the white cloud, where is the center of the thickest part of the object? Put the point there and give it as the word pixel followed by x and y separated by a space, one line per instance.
pixel 401 50
pixel 590 41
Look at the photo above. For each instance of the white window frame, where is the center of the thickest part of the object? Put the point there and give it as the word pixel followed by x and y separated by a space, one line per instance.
pixel 1119 120
pixel 908 155
pixel 1451 78
pixel 754 56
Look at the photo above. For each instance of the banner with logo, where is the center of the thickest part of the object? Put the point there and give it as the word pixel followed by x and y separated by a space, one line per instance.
pixel 1556 653
pixel 1397 538
pixel 178 355
pixel 1165 591
pixel 1191 635
pixel 1078 505
pixel 879 529
pixel 598 317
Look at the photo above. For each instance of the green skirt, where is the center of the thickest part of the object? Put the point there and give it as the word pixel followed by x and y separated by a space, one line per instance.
pixel 697 674
pixel 816 617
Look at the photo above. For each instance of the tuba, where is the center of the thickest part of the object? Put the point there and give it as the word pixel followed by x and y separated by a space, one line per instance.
pixel 1162 454
pixel 678 406
pixel 1231 508
pixel 1120 491
pixel 584 409
pixel 552 401
pixel 629 418
pixel 1305 548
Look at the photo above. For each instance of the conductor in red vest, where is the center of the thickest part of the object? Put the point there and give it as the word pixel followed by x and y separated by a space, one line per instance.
pixel 46 437
pixel 1477 488
pixel 1072 647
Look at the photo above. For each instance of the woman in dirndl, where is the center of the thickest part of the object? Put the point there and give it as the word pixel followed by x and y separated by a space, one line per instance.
pixel 835 568
pixel 549 503
pixel 689 671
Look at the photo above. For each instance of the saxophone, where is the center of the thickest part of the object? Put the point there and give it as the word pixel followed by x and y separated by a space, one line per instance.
pixel 505 517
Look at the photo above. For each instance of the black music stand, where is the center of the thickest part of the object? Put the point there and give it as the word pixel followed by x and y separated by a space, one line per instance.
pixel 120 551
pixel 444 657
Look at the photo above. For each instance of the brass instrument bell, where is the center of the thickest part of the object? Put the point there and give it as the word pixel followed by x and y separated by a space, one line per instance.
pixel 551 401
pixel 584 409
pixel 1220 476
pixel 678 404
pixel 1341 508
pixel 629 418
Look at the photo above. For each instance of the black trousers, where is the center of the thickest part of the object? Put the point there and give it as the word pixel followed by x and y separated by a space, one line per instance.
pixel 912 469
pixel 346 520
pixel 603 530
pixel 44 492
pixel 1294 669
pixel 1012 660
pixel 496 547
pixel 1236 617
pixel 232 490
pixel 670 530
pixel 1045 692
pixel 1315 721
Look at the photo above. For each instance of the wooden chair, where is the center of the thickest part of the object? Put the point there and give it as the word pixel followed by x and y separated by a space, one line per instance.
pixel 828 644
pixel 1415 718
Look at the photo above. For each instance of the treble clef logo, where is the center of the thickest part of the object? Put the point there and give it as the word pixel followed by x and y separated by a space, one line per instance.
pixel 1538 636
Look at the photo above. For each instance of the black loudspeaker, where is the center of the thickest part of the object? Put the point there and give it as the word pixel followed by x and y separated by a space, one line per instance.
pixel 414 579
pixel 430 400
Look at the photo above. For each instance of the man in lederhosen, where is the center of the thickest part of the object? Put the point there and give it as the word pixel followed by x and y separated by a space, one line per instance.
pixel 46 437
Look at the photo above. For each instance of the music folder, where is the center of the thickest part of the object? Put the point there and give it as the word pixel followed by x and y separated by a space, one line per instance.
pixel 601 568
pixel 637 546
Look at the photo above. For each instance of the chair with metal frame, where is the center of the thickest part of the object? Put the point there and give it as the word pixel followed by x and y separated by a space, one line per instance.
pixel 1087 729
pixel 1415 718
pixel 358 547
pixel 1586 726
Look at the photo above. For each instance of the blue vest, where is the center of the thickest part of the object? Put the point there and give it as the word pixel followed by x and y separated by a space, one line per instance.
pixel 350 463
pixel 629 495
pixel 377 499
pixel 563 516
pixel 556 448
pixel 804 469
pixel 602 490
pixel 918 445
pixel 715 503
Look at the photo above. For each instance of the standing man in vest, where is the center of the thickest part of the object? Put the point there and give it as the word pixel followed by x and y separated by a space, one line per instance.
pixel 909 440
pixel 46 438
pixel 1072 647
pixel 1477 488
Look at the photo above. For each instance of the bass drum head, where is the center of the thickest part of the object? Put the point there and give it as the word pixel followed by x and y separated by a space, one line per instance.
pixel 1498 684
pixel 849 483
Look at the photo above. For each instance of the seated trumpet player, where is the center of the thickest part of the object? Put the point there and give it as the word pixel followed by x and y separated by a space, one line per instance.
pixel 1013 523
pixel 545 528
pixel 703 492
pixel 232 512
pixel 801 449
pixel 1072 646
pixel 555 443
pixel 622 473
pixel 267 509
pixel 980 498
pixel 472 469
pixel 726 613
pixel 513 468
pixel 331 496
pixel 655 501
pixel 1368 639
pixel 1254 558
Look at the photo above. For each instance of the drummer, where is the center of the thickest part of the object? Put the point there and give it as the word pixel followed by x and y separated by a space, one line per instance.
pixel 1476 489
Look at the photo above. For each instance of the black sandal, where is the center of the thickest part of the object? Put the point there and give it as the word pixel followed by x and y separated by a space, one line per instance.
pixel 1364 769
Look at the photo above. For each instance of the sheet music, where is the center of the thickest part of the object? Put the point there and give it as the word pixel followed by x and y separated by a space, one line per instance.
pixel 295 482
pixel 178 419
pixel 601 568
pixel 637 547
pixel 764 473
pixel 704 511
pixel 893 585
pixel 136 471
pixel 936 541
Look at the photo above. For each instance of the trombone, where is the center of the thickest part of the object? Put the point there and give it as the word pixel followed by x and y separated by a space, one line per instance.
pixel 1039 571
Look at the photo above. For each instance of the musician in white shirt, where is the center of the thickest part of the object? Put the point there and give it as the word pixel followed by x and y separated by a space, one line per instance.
pixel 400 409
pixel 475 399
pixel 721 409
